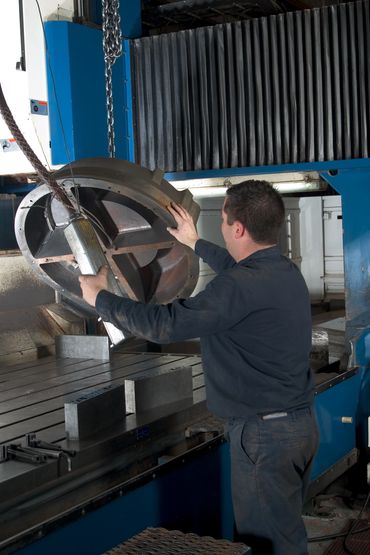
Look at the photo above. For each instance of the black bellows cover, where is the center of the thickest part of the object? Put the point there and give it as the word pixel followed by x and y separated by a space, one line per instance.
pixel 282 89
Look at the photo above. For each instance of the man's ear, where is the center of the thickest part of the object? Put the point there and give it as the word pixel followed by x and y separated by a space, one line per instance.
pixel 239 229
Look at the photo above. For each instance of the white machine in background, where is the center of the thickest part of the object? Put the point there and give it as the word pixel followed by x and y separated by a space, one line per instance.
pixel 314 241
pixel 23 78
pixel 312 238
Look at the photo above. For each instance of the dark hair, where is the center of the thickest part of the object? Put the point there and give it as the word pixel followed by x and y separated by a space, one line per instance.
pixel 259 207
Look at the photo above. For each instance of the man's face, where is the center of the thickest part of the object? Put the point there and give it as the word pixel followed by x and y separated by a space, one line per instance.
pixel 226 231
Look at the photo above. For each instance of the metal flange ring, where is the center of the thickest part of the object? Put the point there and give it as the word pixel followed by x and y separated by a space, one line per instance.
pixel 127 206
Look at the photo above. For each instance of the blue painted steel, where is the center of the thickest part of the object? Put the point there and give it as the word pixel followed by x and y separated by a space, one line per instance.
pixel 18 189
pixel 95 11
pixel 194 497
pixel 131 18
pixel 257 170
pixel 354 187
pixel 130 11
pixel 337 439
pixel 76 92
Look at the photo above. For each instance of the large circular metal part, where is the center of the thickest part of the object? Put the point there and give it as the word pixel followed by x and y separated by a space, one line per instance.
pixel 127 207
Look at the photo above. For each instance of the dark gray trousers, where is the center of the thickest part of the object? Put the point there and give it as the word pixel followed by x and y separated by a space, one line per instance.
pixel 270 466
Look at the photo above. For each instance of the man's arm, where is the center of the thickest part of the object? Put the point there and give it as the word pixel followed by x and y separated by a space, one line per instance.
pixel 216 257
pixel 211 311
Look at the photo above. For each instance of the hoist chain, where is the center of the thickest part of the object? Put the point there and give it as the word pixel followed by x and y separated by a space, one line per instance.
pixel 112 48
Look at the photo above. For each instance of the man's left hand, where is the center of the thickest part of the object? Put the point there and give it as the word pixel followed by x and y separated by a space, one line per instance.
pixel 92 285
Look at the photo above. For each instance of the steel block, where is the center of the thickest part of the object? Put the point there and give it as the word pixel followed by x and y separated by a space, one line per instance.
pixel 95 411
pixel 82 346
pixel 155 387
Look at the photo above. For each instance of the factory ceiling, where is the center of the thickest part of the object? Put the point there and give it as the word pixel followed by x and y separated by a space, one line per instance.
pixel 164 16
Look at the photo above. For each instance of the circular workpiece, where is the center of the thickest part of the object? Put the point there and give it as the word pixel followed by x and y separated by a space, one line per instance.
pixel 127 206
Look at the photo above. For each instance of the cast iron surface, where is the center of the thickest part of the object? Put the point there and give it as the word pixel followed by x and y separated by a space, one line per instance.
pixel 127 205
pixel 32 399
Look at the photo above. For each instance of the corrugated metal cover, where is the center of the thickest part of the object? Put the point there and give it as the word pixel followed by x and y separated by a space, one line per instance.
pixel 289 88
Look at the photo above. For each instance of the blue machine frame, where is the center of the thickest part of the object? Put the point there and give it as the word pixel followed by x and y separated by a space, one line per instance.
pixel 75 68
pixel 194 496
pixel 354 186
pixel 75 71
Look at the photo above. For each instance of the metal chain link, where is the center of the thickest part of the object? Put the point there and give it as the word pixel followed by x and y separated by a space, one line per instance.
pixel 112 48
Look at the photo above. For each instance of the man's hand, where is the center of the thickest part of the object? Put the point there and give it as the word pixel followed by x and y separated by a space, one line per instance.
pixel 92 285
pixel 186 231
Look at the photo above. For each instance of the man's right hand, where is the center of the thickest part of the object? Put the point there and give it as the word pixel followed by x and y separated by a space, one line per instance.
pixel 185 232
pixel 92 285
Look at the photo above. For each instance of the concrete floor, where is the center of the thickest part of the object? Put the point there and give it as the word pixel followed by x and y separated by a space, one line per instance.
pixel 330 514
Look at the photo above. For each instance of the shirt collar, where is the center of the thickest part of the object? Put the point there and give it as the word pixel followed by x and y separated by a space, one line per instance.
pixel 270 252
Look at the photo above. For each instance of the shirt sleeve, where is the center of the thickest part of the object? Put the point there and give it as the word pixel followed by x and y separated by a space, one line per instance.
pixel 216 257
pixel 213 310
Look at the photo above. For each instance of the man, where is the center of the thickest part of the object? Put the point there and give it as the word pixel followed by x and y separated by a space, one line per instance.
pixel 254 325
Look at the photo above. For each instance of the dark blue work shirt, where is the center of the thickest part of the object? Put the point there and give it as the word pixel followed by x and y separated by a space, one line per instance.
pixel 254 324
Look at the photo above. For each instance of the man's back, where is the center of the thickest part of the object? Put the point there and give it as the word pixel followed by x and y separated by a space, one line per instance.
pixel 260 363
